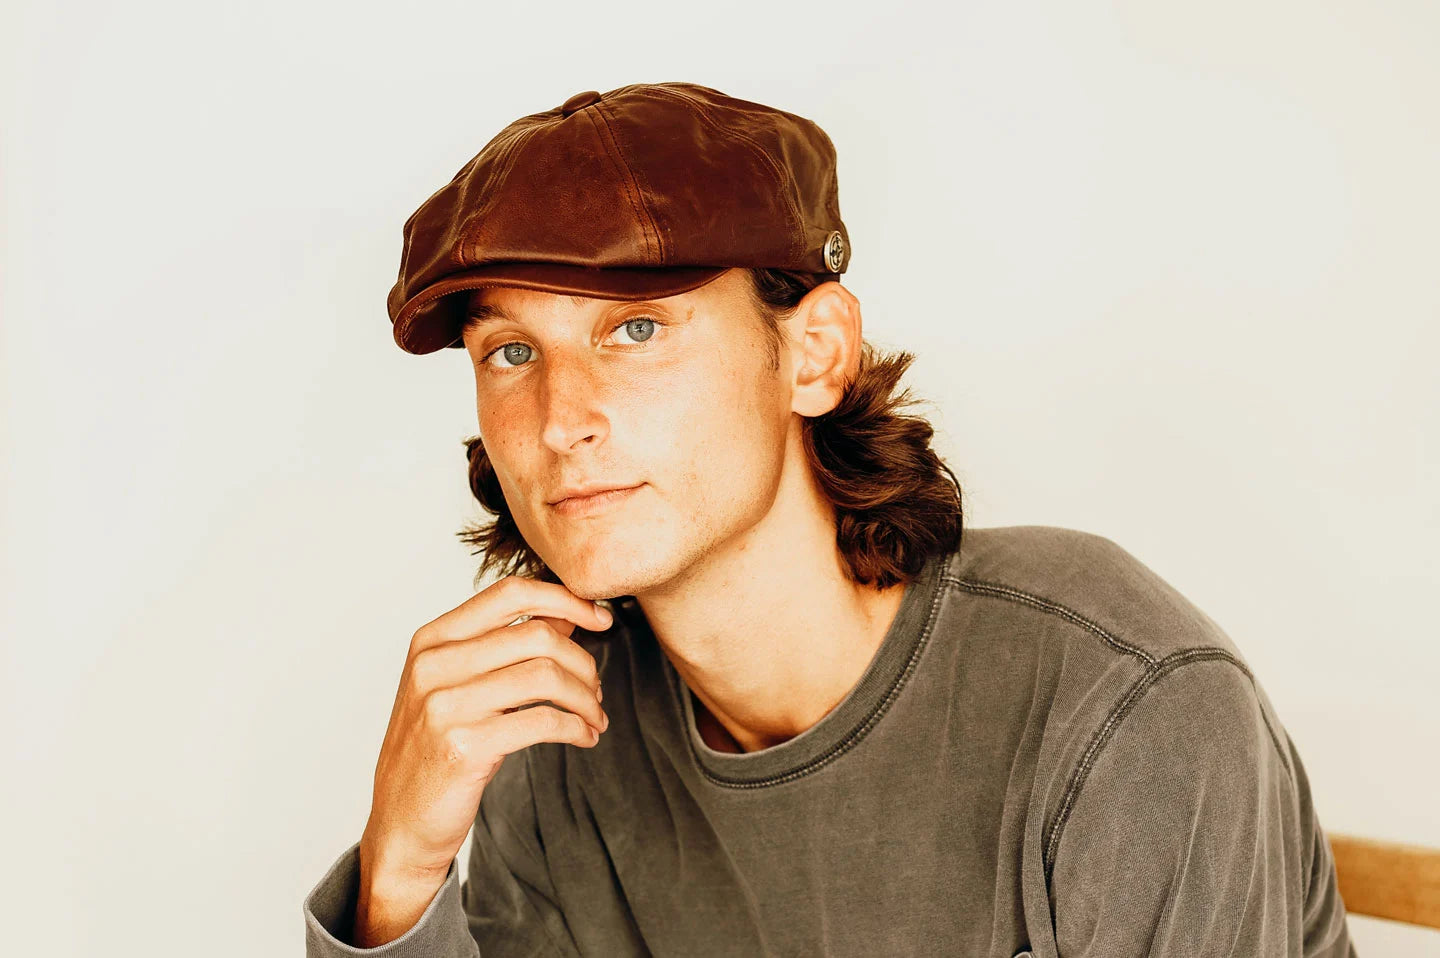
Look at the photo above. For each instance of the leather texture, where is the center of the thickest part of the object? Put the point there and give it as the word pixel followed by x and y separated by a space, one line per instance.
pixel 644 191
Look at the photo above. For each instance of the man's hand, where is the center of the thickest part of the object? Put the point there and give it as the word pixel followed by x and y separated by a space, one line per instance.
pixel 460 709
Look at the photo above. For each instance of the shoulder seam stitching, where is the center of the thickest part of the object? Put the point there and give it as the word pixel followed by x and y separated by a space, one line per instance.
pixel 1106 732
pixel 1000 590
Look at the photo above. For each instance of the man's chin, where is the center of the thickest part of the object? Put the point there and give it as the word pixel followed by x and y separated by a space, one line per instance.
pixel 604 574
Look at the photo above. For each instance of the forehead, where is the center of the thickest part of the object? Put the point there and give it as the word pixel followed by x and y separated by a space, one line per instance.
pixel 512 302
pixel 493 304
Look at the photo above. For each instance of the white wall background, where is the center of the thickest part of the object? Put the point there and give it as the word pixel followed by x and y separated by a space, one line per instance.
pixel 1169 270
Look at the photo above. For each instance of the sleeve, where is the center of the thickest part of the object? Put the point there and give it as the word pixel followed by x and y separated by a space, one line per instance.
pixel 506 906
pixel 441 931
pixel 1190 832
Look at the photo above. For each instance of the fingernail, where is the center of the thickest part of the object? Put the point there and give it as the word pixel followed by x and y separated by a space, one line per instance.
pixel 606 618
pixel 599 693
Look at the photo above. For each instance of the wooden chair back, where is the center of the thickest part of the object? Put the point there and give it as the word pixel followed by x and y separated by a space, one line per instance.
pixel 1387 879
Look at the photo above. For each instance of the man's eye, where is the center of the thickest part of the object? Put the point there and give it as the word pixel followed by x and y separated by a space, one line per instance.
pixel 514 354
pixel 641 327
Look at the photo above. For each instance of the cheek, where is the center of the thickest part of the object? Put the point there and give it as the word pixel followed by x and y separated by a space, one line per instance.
pixel 727 429
pixel 500 439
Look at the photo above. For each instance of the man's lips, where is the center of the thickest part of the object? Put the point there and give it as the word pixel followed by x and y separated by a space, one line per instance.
pixel 578 505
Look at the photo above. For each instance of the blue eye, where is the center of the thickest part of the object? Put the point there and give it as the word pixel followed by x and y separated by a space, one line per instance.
pixel 642 328
pixel 630 323
pixel 509 351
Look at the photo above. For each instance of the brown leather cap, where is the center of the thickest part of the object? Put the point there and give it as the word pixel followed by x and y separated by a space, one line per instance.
pixel 646 191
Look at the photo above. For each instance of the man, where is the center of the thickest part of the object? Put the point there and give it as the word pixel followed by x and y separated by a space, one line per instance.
pixel 831 724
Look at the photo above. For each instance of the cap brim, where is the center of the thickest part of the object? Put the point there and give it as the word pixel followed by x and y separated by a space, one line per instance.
pixel 432 318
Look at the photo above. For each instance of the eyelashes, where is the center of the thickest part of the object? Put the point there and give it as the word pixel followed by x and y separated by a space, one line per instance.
pixel 485 360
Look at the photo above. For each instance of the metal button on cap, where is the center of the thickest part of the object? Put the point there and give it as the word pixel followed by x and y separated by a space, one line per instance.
pixel 579 102
pixel 834 251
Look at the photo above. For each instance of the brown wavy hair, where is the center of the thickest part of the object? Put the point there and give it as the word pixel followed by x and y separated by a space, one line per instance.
pixel 896 502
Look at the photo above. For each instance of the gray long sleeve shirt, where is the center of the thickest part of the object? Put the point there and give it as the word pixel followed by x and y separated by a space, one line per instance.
pixel 1052 751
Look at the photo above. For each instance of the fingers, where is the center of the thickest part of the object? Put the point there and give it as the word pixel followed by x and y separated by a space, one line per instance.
pixel 454 663
pixel 502 602
pixel 510 690
pixel 513 731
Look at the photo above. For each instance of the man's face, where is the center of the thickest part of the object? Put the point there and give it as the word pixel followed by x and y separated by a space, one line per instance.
pixel 675 396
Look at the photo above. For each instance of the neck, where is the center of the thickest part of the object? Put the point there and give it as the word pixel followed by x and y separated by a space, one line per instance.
pixel 768 630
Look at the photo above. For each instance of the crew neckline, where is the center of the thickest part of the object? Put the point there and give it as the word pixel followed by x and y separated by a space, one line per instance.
pixel 847 723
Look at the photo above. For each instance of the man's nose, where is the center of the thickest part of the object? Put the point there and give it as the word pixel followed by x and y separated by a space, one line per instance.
pixel 573 396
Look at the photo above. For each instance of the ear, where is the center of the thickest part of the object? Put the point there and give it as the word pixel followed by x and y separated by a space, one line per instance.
pixel 827 357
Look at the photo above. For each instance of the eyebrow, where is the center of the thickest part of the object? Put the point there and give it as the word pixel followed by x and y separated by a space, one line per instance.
pixel 481 313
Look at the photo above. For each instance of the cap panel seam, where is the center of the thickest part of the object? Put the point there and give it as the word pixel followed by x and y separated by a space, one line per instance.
pixel 627 162
pixel 502 166
pixel 637 206
pixel 798 249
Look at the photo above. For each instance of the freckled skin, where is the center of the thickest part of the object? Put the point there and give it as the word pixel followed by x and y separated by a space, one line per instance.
pixel 695 412
pixel 729 546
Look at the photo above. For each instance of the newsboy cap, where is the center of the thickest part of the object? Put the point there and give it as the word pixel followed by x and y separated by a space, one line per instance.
pixel 644 191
